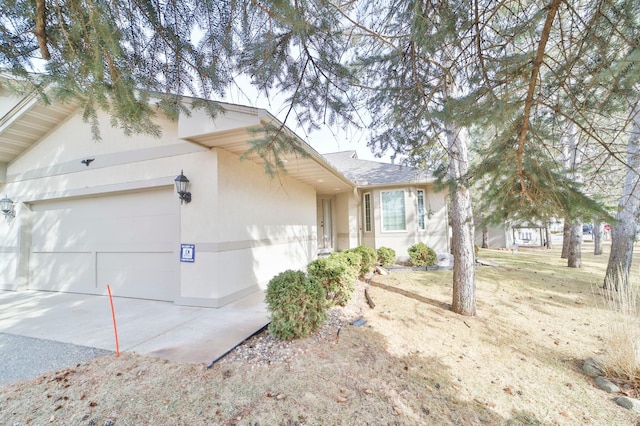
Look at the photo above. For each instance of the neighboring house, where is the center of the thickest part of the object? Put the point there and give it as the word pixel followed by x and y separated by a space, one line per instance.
pixel 394 206
pixel 498 236
pixel 509 235
pixel 89 213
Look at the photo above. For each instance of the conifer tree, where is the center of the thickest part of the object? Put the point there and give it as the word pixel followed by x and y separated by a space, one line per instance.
pixel 428 73
pixel 130 59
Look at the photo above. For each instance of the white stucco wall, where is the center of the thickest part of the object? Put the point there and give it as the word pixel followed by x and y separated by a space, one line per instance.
pixel 259 227
pixel 348 221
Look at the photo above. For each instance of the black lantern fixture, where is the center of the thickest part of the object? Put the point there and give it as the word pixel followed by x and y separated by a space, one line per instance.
pixel 182 186
pixel 6 207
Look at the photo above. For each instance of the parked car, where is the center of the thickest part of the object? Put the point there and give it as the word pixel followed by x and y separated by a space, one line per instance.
pixel 587 229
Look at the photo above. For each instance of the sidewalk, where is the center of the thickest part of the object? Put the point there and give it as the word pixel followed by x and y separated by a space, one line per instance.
pixel 154 328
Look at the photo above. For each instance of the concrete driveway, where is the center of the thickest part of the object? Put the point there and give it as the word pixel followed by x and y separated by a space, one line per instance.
pixel 160 329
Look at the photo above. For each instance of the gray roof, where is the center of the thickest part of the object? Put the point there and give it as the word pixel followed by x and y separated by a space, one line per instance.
pixel 374 173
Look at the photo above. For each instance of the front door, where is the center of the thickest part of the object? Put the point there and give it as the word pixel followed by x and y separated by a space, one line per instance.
pixel 325 225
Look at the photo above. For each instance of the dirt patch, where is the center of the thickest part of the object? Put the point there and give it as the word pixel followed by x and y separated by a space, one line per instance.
pixel 413 362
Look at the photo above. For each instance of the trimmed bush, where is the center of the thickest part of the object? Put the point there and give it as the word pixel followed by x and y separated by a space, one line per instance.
pixel 352 259
pixel 421 255
pixel 297 304
pixel 386 256
pixel 369 257
pixel 337 278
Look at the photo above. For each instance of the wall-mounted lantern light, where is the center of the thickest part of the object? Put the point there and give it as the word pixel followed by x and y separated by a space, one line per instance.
pixel 7 209
pixel 182 187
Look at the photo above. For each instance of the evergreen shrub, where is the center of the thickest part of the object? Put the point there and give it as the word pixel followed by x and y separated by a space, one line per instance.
pixel 369 257
pixel 336 276
pixel 386 256
pixel 422 255
pixel 353 259
pixel 297 304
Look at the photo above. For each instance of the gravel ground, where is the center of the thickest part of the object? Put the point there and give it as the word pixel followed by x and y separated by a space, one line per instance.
pixel 263 348
pixel 25 358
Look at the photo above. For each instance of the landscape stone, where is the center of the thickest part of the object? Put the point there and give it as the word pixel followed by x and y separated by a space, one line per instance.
pixel 628 403
pixel 606 385
pixel 591 368
pixel 381 271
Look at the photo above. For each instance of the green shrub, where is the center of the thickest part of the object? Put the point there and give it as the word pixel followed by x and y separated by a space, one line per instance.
pixel 386 256
pixel 337 278
pixel 421 255
pixel 369 257
pixel 297 304
pixel 353 259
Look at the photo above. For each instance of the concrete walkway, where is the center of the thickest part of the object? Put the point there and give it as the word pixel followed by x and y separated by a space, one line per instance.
pixel 160 329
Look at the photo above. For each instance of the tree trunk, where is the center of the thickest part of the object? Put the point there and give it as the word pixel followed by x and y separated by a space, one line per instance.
pixel 547 236
pixel 574 248
pixel 597 237
pixel 566 237
pixel 623 232
pixel 464 283
pixel 485 237
pixel 574 258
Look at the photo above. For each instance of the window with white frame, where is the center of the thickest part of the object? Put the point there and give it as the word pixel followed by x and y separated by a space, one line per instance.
pixel 393 211
pixel 367 212
pixel 420 199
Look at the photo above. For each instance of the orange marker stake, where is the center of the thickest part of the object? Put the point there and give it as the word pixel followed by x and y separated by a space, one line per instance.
pixel 113 315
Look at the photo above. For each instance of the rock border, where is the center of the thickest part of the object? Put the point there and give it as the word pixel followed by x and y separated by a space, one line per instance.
pixel 592 368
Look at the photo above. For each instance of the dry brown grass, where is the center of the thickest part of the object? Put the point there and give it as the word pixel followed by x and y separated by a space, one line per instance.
pixel 414 362
pixel 621 358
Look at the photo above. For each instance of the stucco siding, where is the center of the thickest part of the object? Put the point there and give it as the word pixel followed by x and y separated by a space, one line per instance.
pixel 200 122
pixel 256 228
pixel 347 221
pixel 72 141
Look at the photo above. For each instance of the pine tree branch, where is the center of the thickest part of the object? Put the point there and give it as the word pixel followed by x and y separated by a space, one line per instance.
pixel 586 130
pixel 383 38
pixel 537 62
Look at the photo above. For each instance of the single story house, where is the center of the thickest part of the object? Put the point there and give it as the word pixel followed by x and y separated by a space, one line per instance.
pixel 86 214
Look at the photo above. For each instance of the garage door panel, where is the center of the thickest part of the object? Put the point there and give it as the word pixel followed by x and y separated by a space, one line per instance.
pixel 73 272
pixel 146 275
pixel 132 239
pixel 8 265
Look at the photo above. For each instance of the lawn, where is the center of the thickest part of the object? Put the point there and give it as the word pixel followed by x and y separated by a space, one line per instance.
pixel 413 362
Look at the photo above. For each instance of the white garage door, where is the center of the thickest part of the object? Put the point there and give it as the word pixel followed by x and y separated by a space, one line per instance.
pixel 128 241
